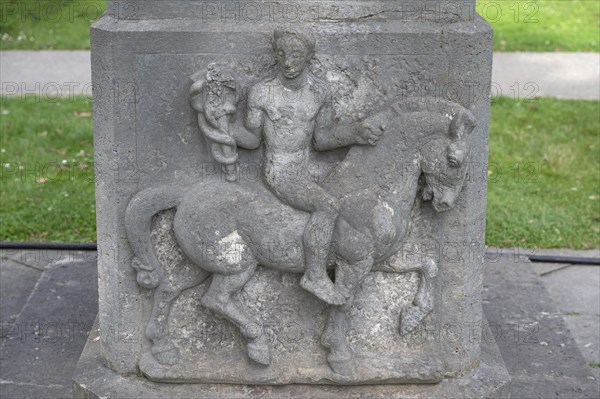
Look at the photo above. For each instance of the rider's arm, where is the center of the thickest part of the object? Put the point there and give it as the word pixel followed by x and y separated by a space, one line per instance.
pixel 329 135
pixel 254 113
pixel 243 138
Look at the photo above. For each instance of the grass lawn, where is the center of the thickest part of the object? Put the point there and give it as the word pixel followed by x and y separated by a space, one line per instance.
pixel 46 170
pixel 544 181
pixel 543 25
pixel 532 25
pixel 47 24
pixel 544 186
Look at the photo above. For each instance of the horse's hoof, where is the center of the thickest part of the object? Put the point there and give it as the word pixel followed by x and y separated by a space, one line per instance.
pixel 326 339
pixel 410 319
pixel 259 352
pixel 323 289
pixel 342 364
pixel 149 279
pixel 168 357
pixel 331 338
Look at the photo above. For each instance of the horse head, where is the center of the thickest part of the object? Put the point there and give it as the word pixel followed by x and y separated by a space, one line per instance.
pixel 444 160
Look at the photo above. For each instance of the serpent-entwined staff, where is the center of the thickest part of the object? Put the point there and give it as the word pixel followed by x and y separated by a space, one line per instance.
pixel 212 100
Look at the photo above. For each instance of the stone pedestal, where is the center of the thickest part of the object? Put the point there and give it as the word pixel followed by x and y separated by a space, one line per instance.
pixel 399 60
pixel 93 380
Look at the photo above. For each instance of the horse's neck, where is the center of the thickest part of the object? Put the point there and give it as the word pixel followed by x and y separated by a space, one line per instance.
pixel 402 192
pixel 367 167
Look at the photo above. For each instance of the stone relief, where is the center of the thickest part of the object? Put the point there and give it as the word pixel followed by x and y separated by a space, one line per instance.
pixel 350 223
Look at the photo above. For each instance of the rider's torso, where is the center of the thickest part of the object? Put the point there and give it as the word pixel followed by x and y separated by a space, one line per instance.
pixel 290 117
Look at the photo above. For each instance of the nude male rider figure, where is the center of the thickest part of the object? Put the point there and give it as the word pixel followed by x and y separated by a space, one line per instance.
pixel 288 111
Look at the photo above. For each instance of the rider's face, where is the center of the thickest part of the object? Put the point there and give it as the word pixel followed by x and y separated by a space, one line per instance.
pixel 292 57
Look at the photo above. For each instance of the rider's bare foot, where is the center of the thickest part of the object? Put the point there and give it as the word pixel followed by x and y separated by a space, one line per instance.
pixel 323 289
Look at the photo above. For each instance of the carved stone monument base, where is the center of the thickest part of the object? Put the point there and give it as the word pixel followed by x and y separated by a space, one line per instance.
pixel 287 207
pixel 93 380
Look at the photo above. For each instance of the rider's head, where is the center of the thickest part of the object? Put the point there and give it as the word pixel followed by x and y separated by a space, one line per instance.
pixel 294 47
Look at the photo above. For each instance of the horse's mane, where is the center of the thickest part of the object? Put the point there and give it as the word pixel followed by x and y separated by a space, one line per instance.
pixel 410 126
pixel 456 113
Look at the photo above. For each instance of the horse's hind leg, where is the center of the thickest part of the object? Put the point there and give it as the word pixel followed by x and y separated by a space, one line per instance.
pixel 157 329
pixel 219 298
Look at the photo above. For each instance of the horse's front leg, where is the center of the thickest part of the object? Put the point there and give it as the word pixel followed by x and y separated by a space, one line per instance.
pixel 340 356
pixel 334 337
pixel 414 314
pixel 422 304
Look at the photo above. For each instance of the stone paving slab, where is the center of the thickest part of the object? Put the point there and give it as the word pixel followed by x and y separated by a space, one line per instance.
pixel 517 75
pixel 16 283
pixel 39 354
pixel 33 258
pixel 536 341
pixel 20 270
pixel 576 292
pixel 536 344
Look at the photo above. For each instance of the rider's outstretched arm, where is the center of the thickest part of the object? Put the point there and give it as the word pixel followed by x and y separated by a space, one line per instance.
pixel 329 135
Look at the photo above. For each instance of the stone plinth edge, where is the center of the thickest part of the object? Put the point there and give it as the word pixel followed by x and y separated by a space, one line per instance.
pixel 93 380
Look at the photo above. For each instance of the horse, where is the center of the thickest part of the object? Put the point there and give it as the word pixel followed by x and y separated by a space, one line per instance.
pixel 225 229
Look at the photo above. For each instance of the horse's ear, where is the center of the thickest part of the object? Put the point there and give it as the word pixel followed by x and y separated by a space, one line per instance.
pixel 463 122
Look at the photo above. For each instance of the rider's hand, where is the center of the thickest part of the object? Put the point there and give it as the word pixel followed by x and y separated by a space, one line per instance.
pixel 369 133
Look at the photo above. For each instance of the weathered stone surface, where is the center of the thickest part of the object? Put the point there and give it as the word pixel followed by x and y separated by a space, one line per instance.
pixel 179 235
pixel 294 11
pixel 93 380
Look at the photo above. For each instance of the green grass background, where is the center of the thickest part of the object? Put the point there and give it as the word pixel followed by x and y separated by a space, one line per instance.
pixel 48 24
pixel 564 25
pixel 36 138
pixel 544 182
pixel 544 186
pixel 524 25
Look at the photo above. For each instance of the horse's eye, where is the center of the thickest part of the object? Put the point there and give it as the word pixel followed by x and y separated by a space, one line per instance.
pixel 455 156
pixel 453 162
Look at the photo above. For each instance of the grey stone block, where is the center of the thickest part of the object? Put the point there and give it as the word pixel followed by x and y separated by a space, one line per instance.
pixel 93 380
pixel 183 311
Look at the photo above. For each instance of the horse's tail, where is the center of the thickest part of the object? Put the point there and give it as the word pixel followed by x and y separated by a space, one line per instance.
pixel 138 224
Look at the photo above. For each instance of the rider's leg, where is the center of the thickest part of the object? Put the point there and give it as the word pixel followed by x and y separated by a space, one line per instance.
pixel 317 243
pixel 306 195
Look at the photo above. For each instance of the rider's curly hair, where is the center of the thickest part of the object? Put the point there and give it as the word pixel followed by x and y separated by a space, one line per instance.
pixel 305 37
